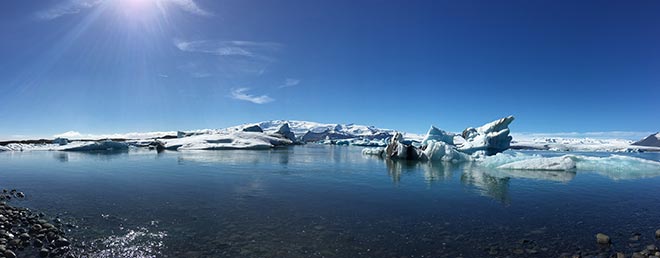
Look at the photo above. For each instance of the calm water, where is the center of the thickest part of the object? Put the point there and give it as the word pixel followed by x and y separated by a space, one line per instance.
pixel 326 201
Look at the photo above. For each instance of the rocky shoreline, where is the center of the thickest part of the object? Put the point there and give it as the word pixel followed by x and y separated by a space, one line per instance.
pixel 27 233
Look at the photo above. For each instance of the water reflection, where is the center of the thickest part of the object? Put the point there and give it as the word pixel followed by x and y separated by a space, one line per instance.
pixel 61 156
pixel 485 183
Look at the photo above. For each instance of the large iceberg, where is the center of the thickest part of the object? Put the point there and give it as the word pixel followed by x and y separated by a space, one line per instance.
pixel 223 141
pixel 563 163
pixel 488 139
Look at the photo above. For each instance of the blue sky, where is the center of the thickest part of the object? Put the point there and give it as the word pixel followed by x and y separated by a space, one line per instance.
pixel 97 66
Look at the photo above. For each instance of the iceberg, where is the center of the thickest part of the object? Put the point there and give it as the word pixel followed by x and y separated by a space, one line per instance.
pixel 396 149
pixel 563 163
pixel 488 139
pixel 438 150
pixel 107 145
pixel 438 135
pixel 438 145
pixel 377 151
pixel 224 141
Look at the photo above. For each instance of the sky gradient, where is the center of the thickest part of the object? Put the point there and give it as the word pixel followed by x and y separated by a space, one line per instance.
pixel 97 66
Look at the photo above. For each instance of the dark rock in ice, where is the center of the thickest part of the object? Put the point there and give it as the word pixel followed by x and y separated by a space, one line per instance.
pixel 253 128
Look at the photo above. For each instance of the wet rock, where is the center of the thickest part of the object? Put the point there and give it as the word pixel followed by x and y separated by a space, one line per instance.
pixel 657 234
pixel 620 255
pixel 638 255
pixel 10 254
pixel 61 242
pixel 44 252
pixel 24 236
pixel 651 248
pixel 38 243
pixel 603 239
pixel 20 195
pixel 635 237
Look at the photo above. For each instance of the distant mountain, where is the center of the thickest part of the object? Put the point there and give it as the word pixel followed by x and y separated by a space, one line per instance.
pixel 652 140
pixel 312 131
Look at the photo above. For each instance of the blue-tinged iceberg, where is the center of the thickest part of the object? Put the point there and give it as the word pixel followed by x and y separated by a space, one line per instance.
pixel 439 145
pixel 438 135
pixel 488 139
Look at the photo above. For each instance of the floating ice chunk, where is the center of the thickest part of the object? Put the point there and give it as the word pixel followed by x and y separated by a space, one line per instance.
pixel 107 145
pixel 396 149
pixel 488 139
pixel 616 162
pixel 438 150
pixel 378 151
pixel 563 163
pixel 222 141
pixel 438 135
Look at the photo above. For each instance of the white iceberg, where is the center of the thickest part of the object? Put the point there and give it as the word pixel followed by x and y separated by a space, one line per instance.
pixel 488 139
pixel 441 151
pixel 223 141
pixel 563 163
pixel 377 151
pixel 438 135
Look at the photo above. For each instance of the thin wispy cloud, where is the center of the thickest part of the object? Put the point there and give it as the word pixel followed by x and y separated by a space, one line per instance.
pixel 67 7
pixel 290 83
pixel 76 6
pixel 189 6
pixel 249 49
pixel 240 94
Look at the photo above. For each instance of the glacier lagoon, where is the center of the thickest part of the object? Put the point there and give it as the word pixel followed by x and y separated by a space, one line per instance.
pixel 332 201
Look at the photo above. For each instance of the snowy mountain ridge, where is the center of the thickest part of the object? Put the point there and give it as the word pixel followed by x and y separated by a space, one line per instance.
pixel 652 140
